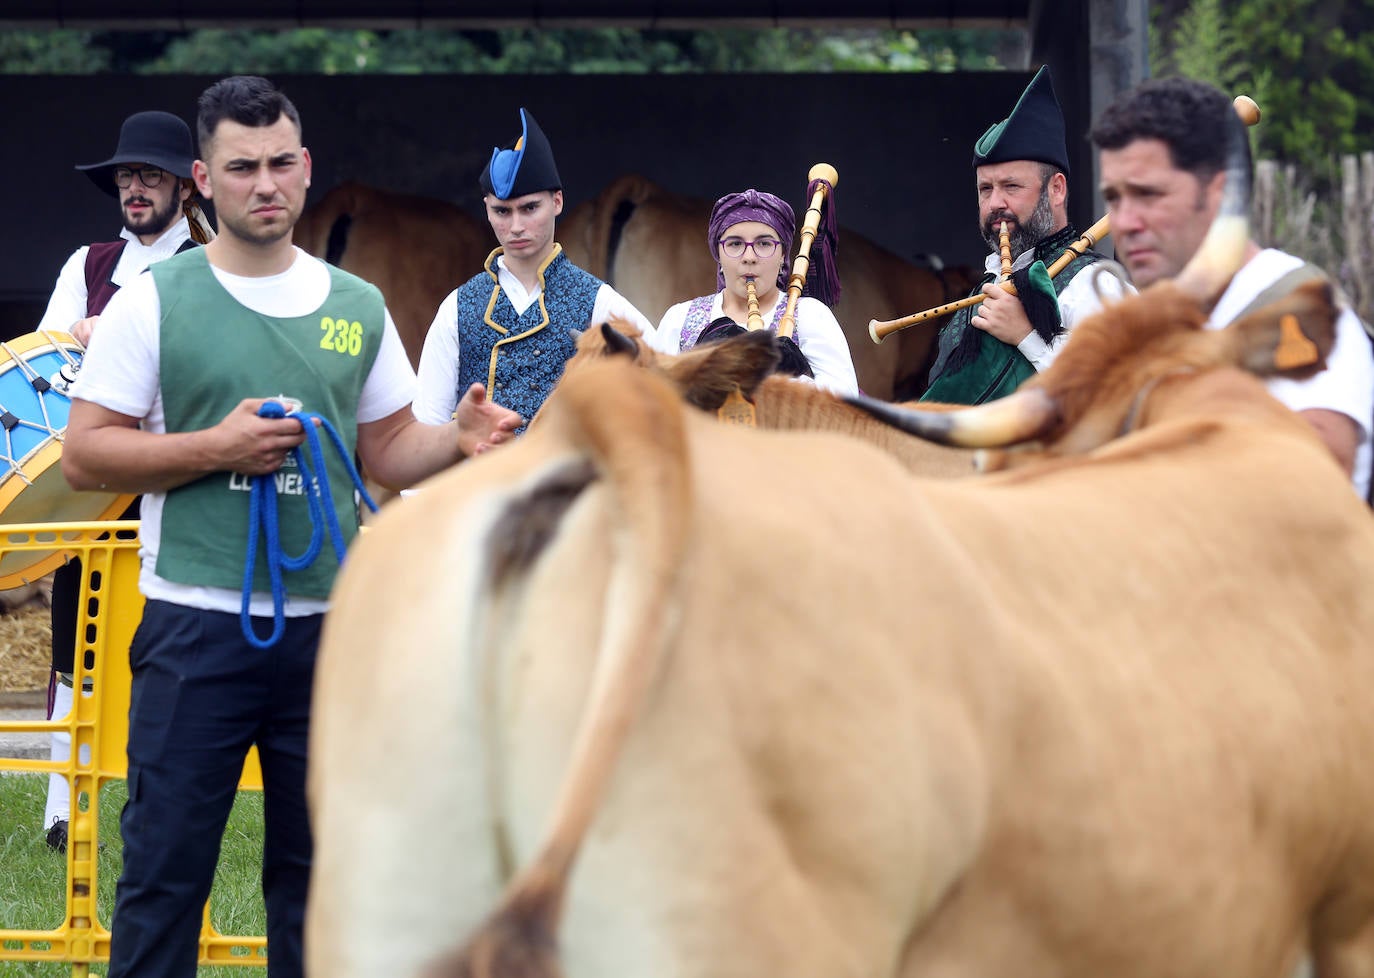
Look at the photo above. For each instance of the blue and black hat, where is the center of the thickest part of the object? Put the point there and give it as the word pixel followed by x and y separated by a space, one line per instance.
pixel 525 166
pixel 1033 131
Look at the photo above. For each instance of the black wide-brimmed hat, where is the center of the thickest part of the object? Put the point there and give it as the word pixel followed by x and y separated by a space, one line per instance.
pixel 159 138
pixel 525 166
pixel 1033 131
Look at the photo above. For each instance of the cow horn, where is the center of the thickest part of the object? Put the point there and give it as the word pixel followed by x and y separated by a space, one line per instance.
pixel 1223 250
pixel 1020 417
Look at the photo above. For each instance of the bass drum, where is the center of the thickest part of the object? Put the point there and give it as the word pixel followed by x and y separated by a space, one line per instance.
pixel 35 372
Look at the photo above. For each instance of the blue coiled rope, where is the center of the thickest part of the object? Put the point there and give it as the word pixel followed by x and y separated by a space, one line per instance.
pixel 262 518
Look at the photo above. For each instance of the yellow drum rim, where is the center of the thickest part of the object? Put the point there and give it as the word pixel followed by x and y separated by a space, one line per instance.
pixel 37 462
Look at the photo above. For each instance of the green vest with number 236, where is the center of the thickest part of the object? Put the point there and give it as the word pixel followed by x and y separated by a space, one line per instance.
pixel 214 353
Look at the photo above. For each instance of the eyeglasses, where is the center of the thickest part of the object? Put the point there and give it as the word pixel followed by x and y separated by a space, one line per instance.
pixel 763 247
pixel 150 176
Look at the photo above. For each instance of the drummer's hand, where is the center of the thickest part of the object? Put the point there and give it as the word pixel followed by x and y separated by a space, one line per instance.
pixel 254 445
pixel 482 423
pixel 82 329
pixel 1001 314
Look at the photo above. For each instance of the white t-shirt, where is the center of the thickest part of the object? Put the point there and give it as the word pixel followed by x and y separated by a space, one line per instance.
pixel 120 372
pixel 1347 383
pixel 818 335
pixel 69 296
pixel 438 374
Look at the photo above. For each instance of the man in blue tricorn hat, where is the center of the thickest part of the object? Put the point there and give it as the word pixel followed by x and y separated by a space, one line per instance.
pixel 1022 166
pixel 508 327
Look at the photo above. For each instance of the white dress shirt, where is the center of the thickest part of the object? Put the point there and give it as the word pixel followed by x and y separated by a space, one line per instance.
pixel 68 302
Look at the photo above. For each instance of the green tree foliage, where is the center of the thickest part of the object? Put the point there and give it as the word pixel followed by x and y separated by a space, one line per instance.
pixel 307 51
pixel 1202 44
pixel 50 53
pixel 504 51
pixel 1309 64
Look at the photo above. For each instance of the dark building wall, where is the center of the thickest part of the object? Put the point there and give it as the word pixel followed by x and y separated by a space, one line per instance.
pixel 902 145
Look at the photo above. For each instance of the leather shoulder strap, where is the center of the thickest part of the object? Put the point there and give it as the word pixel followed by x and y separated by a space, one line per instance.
pixel 1281 286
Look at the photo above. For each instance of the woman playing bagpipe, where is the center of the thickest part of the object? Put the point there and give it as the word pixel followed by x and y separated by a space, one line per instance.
pixel 750 238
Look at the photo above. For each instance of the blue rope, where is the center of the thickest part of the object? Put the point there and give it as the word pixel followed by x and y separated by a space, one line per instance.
pixel 262 519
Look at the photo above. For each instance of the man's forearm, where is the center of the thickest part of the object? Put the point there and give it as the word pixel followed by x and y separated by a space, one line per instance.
pixel 118 459
pixel 411 452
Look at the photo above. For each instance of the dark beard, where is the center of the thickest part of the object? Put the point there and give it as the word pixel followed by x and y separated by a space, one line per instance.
pixel 159 219
pixel 1025 236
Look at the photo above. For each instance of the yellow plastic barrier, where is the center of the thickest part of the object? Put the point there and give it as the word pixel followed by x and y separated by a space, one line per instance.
pixel 110 608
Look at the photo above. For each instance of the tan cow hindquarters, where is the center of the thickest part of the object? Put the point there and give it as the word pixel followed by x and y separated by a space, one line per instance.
pixel 644 892
pixel 782 733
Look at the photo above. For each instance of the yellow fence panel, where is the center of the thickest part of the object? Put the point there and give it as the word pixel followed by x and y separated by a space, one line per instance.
pixel 110 608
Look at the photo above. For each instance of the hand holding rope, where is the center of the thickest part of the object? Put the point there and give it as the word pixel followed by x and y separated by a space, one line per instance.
pixel 262 518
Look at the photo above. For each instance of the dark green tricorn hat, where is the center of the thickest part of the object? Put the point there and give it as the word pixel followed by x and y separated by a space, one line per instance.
pixel 1033 131
pixel 525 166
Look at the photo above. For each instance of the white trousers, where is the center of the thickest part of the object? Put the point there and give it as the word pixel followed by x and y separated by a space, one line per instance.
pixel 59 789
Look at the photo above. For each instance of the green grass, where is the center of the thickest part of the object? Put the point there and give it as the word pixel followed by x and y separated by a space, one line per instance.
pixel 32 876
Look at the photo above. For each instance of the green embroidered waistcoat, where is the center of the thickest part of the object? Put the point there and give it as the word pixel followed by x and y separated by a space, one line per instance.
pixel 992 369
pixel 214 353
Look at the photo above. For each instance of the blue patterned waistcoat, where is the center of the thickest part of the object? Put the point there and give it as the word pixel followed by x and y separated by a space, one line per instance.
pixel 520 358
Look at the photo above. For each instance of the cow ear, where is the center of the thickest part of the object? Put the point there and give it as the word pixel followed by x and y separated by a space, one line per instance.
pixel 707 374
pixel 617 343
pixel 1290 337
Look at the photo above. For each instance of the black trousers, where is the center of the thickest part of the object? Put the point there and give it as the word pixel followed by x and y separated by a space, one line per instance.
pixel 66 597
pixel 201 696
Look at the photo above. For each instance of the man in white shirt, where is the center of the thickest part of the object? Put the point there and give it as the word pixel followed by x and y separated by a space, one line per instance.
pixel 150 175
pixel 508 327
pixel 1162 161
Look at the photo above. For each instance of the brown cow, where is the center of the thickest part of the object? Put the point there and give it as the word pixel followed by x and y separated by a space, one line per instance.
pixel 1104 714
pixel 649 244
pixel 415 249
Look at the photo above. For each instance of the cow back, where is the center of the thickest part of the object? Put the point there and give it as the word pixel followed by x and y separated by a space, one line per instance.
pixel 879 284
pixel 647 243
pixel 415 249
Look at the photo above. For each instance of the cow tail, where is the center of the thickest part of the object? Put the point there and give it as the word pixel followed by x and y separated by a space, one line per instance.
pixel 338 239
pixel 635 442
pixel 322 230
pixel 615 206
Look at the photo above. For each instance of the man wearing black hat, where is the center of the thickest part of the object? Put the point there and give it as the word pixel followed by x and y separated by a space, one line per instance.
pixel 508 326
pixel 1022 166
pixel 150 174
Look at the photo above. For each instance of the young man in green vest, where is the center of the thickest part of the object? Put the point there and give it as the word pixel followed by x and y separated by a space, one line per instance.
pixel 1021 165
pixel 167 404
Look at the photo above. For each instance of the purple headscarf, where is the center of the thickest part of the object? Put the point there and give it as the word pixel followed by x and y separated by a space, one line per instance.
pixel 752 205
pixel 823 281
